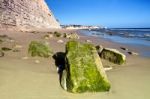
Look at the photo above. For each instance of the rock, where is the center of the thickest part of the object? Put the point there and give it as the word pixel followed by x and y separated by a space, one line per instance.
pixel 39 49
pixel 16 50
pixel 57 34
pixel 88 41
pixel 48 36
pixel 18 46
pixel 133 53
pixel 99 48
pixel 60 41
pixel 25 58
pixel 84 71
pixel 71 36
pixel 107 68
pixel 37 61
pixel 1 54
pixel 113 55
pixel 6 49
pixel 123 48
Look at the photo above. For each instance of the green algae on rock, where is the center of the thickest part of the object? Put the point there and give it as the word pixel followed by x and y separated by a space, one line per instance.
pixel 39 49
pixel 113 55
pixel 84 71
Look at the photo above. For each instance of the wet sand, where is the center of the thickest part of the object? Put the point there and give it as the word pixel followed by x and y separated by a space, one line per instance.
pixel 25 79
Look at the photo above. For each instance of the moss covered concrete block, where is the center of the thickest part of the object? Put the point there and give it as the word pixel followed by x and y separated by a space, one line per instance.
pixel 113 55
pixel 39 49
pixel 84 71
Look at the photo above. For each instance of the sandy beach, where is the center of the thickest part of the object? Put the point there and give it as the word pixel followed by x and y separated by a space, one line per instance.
pixel 23 78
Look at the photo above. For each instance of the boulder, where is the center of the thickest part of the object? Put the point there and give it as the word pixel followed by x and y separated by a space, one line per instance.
pixel 39 49
pixel 113 55
pixel 84 71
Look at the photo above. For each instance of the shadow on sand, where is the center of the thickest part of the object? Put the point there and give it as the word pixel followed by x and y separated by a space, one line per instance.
pixel 59 58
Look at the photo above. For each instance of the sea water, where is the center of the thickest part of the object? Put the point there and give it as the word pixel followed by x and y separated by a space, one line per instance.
pixel 131 36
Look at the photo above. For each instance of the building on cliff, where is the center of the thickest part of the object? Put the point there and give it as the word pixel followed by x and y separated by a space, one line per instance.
pixel 26 14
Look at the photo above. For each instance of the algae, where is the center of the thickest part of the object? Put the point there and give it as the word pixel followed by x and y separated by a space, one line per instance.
pixel 39 49
pixel 113 55
pixel 84 69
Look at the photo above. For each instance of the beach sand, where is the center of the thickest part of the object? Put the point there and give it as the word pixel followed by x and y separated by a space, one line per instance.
pixel 22 78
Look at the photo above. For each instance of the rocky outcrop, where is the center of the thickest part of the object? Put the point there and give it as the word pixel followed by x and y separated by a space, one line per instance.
pixel 113 55
pixel 84 71
pixel 26 14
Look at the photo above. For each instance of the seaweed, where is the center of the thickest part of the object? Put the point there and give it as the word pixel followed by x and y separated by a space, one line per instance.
pixel 84 69
pixel 39 49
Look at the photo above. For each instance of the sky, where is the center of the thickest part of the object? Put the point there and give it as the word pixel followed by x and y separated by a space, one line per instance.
pixel 109 13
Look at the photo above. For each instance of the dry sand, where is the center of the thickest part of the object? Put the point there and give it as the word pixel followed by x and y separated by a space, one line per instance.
pixel 25 79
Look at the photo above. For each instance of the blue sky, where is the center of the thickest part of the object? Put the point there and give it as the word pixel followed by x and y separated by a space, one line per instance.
pixel 110 13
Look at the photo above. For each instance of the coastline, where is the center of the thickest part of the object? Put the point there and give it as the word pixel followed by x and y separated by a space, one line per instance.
pixel 25 79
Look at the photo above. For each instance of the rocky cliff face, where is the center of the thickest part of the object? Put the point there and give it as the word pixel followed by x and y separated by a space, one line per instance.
pixel 24 14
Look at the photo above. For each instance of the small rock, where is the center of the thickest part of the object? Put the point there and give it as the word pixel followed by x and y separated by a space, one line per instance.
pixel 123 48
pixel 6 49
pixel 60 41
pixel 18 46
pixel 25 58
pixel 37 61
pixel 12 40
pixel 107 68
pixel 1 54
pixel 88 41
pixel 16 50
pixel 46 38
pixel 133 53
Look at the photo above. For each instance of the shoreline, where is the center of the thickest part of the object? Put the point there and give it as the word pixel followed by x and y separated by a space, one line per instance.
pixel 25 79
pixel 143 50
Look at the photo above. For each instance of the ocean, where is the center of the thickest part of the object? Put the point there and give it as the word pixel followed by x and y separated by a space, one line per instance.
pixel 131 36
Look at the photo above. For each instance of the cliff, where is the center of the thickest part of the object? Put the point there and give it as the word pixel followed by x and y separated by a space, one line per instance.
pixel 25 14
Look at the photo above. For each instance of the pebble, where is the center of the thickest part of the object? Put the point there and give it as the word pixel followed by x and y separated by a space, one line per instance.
pixel 37 61
pixel 25 58
pixel 123 48
pixel 60 41
pixel 18 46
pixel 133 53
pixel 88 41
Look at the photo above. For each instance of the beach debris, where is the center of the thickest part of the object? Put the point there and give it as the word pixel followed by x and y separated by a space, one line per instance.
pixel 60 41
pixel 84 71
pixel 133 53
pixel 1 54
pixel 5 49
pixel 99 48
pixel 123 48
pixel 37 61
pixel 113 55
pixel 39 49
pixel 25 58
